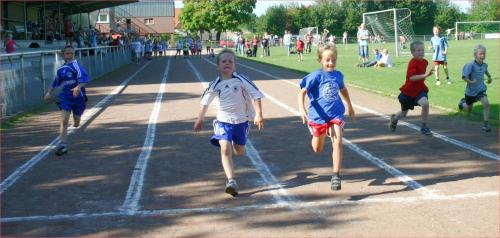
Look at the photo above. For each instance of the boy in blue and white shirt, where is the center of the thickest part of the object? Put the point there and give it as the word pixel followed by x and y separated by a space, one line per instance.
pixel 234 92
pixel 71 78
pixel 473 73
pixel 439 46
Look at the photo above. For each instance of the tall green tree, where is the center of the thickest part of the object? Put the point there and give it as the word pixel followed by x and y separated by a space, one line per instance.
pixel 485 10
pixel 446 15
pixel 220 15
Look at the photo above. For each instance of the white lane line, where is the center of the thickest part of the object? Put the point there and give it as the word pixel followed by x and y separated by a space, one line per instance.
pixel 134 193
pixel 205 210
pixel 365 154
pixel 401 122
pixel 280 195
pixel 19 172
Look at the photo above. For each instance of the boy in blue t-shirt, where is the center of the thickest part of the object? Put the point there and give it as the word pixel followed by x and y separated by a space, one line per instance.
pixel 71 78
pixel 473 73
pixel 326 91
pixel 439 46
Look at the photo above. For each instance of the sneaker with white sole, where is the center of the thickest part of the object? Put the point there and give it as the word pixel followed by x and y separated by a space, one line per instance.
pixel 426 131
pixel 438 83
pixel 231 187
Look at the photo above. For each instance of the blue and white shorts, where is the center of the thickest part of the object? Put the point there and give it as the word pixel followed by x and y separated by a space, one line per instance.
pixel 236 133
pixel 72 104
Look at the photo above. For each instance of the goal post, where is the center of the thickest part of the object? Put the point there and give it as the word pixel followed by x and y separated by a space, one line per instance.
pixel 391 25
pixel 465 28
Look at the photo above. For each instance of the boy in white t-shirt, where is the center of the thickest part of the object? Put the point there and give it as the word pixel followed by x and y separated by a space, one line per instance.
pixel 235 109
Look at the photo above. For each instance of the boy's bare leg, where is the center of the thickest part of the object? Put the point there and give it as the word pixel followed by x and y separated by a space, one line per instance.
pixel 239 149
pixel 63 129
pixel 337 133
pixel 445 67
pixel 318 143
pixel 76 120
pixel 425 109
pixel 226 154
pixel 401 114
pixel 436 72
pixel 486 108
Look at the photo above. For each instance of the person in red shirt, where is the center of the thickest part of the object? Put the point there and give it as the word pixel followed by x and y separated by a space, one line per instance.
pixel 414 92
pixel 10 46
pixel 300 48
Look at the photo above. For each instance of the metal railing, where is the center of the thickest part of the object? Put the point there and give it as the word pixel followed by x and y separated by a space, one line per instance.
pixel 25 77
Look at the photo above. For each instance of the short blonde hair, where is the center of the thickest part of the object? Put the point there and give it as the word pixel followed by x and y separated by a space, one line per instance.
pixel 225 51
pixel 415 43
pixel 325 47
pixel 477 47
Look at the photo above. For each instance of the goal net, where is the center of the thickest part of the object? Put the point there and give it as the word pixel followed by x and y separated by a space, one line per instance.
pixel 392 25
pixel 314 32
pixel 477 30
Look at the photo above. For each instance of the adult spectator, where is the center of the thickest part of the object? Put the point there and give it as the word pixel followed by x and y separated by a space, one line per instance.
pixel 363 37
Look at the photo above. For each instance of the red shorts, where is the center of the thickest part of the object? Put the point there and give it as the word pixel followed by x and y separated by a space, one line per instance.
pixel 320 129
pixel 439 62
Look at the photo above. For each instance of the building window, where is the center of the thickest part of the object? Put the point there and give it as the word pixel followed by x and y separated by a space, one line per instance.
pixel 103 18
pixel 149 21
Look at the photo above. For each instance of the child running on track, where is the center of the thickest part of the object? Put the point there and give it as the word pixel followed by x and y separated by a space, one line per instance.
pixel 327 95
pixel 72 77
pixel 473 73
pixel 234 111
pixel 439 45
pixel 414 91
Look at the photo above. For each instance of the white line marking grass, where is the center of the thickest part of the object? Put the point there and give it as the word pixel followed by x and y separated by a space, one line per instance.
pixel 19 172
pixel 461 144
pixel 365 154
pixel 134 193
pixel 320 205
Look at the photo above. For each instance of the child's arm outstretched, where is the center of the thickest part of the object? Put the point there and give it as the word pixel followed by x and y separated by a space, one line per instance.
pixel 258 119
pixel 422 76
pixel 198 125
pixel 302 106
pixel 347 100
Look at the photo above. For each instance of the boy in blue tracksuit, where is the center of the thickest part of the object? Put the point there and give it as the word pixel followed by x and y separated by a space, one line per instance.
pixel 71 78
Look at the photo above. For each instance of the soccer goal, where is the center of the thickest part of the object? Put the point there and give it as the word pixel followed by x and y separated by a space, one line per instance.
pixel 392 25
pixel 314 33
pixel 470 30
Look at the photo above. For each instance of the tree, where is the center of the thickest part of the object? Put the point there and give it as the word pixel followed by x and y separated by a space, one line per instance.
pixel 220 15
pixel 447 15
pixel 486 10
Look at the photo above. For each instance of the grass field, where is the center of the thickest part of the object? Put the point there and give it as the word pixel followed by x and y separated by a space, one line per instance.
pixel 388 80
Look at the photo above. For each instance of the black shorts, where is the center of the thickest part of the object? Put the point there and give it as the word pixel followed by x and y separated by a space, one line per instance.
pixel 409 103
pixel 472 99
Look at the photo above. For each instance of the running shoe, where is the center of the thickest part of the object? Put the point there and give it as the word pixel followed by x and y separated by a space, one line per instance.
pixel 335 183
pixel 438 83
pixel 426 131
pixel 461 104
pixel 486 128
pixel 393 123
pixel 62 149
pixel 232 187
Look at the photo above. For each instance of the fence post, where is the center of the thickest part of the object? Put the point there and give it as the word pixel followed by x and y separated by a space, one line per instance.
pixel 22 79
pixel 42 72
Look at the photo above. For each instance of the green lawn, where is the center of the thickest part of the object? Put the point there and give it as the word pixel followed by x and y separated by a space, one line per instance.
pixel 388 80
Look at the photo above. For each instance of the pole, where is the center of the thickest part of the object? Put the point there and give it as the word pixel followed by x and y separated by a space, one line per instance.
pixel 396 38
pixel 25 21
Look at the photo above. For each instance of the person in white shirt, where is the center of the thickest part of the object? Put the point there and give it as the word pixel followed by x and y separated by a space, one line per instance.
pixel 386 60
pixel 137 50
pixel 234 92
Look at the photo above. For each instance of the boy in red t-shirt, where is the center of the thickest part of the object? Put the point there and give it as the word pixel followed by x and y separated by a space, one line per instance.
pixel 414 92
pixel 300 48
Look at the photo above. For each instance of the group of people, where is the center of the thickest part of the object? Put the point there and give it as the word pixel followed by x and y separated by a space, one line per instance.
pixel 240 101
pixel 148 48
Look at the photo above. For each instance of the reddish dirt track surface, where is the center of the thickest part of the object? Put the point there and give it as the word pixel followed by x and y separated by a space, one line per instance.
pixel 395 184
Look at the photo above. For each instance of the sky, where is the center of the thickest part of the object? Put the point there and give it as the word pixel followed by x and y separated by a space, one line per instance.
pixel 262 5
